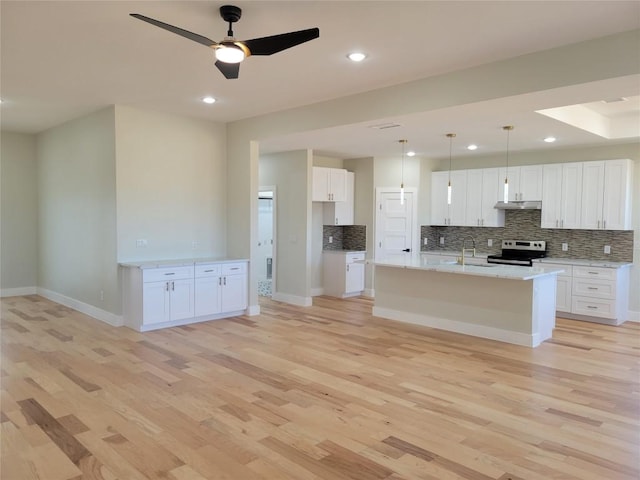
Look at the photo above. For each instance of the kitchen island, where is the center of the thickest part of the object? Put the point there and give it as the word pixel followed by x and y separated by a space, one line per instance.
pixel 500 302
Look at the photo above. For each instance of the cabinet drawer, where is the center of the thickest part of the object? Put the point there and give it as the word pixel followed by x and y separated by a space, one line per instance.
pixel 207 270
pixel 594 288
pixel 234 268
pixel 354 257
pixel 594 272
pixel 166 273
pixel 593 306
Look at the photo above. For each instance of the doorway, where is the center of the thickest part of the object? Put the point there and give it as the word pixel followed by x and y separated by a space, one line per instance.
pixel 395 223
pixel 266 241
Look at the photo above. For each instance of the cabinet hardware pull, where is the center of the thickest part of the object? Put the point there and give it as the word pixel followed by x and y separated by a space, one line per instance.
pixel 219 280
pixel 598 223
pixel 594 273
pixel 556 223
pixel 593 288
pixel 208 271
pixel 172 273
pixel 604 224
pixel 347 268
pixel 225 281
pixel 592 307
pixel 166 286
pixel 234 268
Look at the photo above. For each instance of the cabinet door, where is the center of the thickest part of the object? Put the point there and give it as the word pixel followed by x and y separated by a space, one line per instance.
pixel 234 293
pixel 320 191
pixel 207 295
pixel 616 203
pixel 181 299
pixel 341 213
pixel 513 175
pixel 592 195
pixel 155 302
pixel 458 205
pixel 473 214
pixel 551 196
pixel 439 206
pixel 337 184
pixel 531 182
pixel 491 217
pixel 571 195
pixel 354 281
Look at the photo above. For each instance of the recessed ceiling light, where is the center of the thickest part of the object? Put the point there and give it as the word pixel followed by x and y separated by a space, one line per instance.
pixel 209 100
pixel 411 153
pixel 356 56
pixel 550 139
pixel 473 146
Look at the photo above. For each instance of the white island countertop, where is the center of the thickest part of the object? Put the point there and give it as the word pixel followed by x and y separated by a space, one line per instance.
pixel 510 272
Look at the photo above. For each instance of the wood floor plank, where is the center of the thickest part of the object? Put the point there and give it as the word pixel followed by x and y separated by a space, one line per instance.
pixel 327 392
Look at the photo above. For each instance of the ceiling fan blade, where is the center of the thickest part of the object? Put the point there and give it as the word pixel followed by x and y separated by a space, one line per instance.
pixel 180 31
pixel 229 70
pixel 277 43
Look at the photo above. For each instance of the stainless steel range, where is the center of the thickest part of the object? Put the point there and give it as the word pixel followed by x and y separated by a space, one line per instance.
pixel 519 252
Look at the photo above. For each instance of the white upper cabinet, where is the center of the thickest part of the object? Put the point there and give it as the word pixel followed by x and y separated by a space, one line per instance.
pixel 439 206
pixel 329 184
pixel 606 195
pixel 483 187
pixel 561 195
pixel 341 213
pixel 443 213
pixel 525 183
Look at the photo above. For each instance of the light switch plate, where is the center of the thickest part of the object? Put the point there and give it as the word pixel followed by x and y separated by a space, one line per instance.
pixel 330 239
pixel 607 249
pixel 490 242
pixel 565 247
pixel 441 240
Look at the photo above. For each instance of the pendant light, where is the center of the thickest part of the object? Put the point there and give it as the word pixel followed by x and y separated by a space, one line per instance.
pixel 403 143
pixel 508 128
pixel 451 137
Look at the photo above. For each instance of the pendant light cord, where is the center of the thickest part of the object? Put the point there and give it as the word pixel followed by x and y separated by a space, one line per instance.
pixel 508 128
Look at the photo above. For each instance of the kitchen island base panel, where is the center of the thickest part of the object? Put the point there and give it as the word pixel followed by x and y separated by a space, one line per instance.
pixel 515 311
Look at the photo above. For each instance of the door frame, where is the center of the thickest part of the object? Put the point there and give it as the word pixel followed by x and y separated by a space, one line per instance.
pixel 415 237
pixel 274 249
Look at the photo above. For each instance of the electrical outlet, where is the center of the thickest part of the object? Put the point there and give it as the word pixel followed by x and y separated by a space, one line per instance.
pixel 330 239
pixel 441 240
pixel 607 249
pixel 490 242
pixel 565 247
pixel 425 241
pixel 141 242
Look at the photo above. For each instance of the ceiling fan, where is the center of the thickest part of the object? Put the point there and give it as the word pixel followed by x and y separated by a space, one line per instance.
pixel 230 52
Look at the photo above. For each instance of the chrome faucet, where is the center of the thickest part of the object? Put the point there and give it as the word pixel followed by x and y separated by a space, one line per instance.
pixel 464 245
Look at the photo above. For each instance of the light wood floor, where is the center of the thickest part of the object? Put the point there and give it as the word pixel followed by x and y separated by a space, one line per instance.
pixel 326 392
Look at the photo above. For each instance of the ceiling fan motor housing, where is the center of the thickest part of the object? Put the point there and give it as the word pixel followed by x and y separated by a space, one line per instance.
pixel 230 13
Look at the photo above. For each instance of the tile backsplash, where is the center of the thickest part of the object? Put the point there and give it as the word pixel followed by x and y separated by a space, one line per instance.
pixel 347 237
pixel 525 225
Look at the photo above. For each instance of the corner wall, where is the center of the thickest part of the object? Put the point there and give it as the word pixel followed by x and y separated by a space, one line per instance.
pixel 18 215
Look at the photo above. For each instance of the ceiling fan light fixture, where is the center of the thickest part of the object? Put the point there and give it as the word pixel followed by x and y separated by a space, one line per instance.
pixel 228 52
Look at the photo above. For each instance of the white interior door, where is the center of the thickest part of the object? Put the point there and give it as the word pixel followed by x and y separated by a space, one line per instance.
pixel 395 224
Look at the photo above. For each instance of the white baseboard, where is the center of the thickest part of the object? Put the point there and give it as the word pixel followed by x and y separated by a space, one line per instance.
pixel 634 316
pixel 95 312
pixel 369 292
pixel 316 292
pixel 292 299
pixel 253 310
pixel 475 330
pixel 18 292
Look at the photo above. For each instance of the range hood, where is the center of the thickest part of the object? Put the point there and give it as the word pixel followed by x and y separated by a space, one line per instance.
pixel 519 205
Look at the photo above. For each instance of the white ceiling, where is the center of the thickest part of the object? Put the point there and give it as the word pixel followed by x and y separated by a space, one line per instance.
pixel 60 60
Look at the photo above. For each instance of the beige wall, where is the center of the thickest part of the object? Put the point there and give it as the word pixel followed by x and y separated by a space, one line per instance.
pixel 77 211
pixel 19 214
pixel 171 186
pixel 290 172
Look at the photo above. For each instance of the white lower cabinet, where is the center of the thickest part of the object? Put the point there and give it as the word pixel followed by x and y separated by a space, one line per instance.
pixel 169 296
pixel 343 273
pixel 598 294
